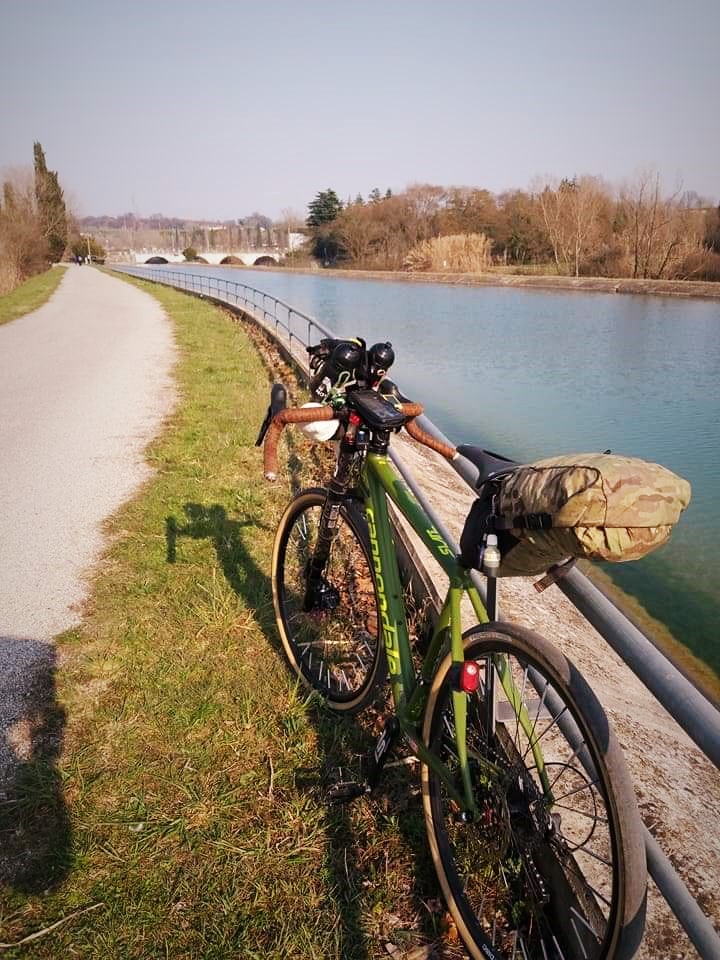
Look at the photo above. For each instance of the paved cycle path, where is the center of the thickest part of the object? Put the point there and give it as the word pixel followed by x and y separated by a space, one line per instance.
pixel 84 384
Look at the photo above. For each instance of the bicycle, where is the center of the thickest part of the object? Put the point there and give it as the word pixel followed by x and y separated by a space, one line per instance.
pixel 529 809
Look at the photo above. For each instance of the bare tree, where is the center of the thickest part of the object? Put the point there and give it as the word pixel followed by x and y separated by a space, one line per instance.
pixel 23 247
pixel 290 222
pixel 361 232
pixel 575 216
pixel 549 200
pixel 657 231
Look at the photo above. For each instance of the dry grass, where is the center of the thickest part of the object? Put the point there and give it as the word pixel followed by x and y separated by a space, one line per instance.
pixel 459 253
pixel 30 295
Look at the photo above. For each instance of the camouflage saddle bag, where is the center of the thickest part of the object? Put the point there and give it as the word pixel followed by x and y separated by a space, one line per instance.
pixel 595 505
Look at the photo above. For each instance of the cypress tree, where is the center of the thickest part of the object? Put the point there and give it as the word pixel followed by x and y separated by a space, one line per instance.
pixel 51 206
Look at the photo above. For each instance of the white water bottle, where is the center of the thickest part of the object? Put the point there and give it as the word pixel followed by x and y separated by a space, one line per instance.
pixel 491 556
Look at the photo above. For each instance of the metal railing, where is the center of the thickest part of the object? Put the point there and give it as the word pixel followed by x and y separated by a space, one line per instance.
pixel 293 328
pixel 293 331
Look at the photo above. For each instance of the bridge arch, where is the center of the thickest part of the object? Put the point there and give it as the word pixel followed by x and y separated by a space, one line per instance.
pixel 265 261
pixel 157 260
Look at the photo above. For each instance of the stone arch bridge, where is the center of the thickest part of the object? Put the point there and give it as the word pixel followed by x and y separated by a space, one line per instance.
pixel 250 258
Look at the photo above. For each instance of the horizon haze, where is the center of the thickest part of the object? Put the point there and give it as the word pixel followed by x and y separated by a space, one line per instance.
pixel 217 111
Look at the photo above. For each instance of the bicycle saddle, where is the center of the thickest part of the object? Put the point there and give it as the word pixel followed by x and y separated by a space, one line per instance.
pixel 489 464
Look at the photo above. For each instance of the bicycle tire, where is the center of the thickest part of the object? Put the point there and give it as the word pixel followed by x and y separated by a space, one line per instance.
pixel 529 878
pixel 338 652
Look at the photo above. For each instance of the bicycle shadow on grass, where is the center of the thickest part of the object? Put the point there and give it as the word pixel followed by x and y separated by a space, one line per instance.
pixel 229 537
pixel 379 844
pixel 372 840
pixel 35 829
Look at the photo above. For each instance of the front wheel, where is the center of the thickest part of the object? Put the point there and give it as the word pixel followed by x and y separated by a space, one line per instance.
pixel 331 638
pixel 551 864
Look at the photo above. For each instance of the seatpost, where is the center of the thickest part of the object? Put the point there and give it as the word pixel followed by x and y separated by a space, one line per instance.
pixel 491 599
pixel 491 564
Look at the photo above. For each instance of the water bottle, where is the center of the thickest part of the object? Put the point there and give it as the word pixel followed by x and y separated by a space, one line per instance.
pixel 491 556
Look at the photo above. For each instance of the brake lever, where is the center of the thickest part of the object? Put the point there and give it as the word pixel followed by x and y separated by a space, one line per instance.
pixel 278 402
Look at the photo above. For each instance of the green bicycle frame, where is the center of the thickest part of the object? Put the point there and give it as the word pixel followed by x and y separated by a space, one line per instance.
pixel 410 693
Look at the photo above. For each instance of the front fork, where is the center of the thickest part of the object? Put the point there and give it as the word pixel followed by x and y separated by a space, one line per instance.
pixel 319 594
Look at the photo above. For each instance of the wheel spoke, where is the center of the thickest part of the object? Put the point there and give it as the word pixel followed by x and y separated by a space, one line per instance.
pixel 547 729
pixel 572 793
pixel 583 921
pixel 517 712
pixel 578 812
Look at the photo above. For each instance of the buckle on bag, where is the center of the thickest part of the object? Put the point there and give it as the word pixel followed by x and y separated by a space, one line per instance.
pixel 535 521
pixel 555 573
pixel 528 521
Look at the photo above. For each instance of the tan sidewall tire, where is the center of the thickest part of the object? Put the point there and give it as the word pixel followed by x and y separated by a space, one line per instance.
pixel 631 848
pixel 315 497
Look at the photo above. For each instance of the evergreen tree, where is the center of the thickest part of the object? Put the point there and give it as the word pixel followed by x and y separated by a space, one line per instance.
pixel 324 211
pixel 324 208
pixel 51 206
pixel 375 196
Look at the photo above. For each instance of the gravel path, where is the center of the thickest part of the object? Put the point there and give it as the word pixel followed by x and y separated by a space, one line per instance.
pixel 84 384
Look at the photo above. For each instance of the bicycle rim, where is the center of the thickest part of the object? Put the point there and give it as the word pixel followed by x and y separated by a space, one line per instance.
pixel 334 647
pixel 552 867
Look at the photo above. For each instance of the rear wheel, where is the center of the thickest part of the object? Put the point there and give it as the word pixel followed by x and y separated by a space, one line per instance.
pixel 552 865
pixel 332 640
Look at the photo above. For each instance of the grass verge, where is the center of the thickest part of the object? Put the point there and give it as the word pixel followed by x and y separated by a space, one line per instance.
pixel 30 295
pixel 170 799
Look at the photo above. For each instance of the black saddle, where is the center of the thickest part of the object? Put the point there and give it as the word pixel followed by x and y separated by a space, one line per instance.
pixel 490 465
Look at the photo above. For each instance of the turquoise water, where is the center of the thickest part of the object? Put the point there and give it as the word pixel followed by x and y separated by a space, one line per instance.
pixel 533 373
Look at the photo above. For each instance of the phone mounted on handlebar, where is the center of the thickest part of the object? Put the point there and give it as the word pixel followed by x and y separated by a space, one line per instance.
pixel 376 411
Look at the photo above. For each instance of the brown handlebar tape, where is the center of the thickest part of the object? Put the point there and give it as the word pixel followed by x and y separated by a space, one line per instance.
pixel 292 415
pixel 312 414
pixel 417 433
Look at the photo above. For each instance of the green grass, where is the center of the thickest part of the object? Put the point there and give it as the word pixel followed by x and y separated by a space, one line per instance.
pixel 30 295
pixel 177 776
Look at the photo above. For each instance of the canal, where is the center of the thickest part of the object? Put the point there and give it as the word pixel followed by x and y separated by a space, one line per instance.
pixel 533 373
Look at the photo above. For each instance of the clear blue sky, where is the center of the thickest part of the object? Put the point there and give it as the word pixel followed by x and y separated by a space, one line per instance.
pixel 221 108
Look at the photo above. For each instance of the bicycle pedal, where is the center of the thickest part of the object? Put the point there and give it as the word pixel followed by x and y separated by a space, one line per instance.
pixel 347 790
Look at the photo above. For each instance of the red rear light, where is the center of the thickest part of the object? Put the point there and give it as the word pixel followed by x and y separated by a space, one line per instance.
pixel 469 676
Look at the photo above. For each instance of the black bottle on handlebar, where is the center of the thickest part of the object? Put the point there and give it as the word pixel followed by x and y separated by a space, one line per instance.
pixel 339 369
pixel 380 357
